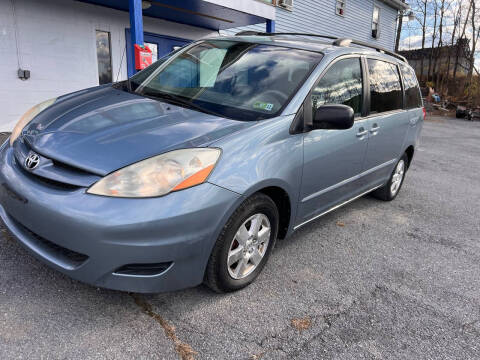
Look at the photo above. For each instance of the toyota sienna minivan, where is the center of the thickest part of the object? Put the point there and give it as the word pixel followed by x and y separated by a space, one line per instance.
pixel 190 170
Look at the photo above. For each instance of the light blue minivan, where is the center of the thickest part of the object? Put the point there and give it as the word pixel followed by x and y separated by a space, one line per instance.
pixel 189 171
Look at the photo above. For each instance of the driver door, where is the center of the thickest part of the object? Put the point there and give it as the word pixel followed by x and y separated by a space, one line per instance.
pixel 334 159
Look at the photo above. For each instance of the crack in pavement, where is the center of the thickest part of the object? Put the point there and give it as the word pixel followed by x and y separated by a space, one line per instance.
pixel 331 318
pixel 184 350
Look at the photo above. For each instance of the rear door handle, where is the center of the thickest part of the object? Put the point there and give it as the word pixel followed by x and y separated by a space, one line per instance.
pixel 414 120
pixel 374 129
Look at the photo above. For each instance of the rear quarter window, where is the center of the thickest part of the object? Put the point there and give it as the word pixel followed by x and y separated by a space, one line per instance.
pixel 385 87
pixel 412 90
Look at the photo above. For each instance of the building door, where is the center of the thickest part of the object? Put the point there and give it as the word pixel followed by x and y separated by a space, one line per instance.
pixel 160 45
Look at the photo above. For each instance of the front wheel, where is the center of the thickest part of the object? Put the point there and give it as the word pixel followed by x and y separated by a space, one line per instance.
pixel 390 190
pixel 244 245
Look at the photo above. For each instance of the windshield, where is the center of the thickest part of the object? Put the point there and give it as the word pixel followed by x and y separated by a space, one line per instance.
pixel 232 79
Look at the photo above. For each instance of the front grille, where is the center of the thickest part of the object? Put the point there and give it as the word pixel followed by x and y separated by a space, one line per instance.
pixel 66 256
pixel 52 172
pixel 70 168
pixel 58 185
pixel 143 269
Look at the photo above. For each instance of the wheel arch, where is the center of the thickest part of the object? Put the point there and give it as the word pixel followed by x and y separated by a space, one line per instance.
pixel 282 201
pixel 410 150
pixel 283 198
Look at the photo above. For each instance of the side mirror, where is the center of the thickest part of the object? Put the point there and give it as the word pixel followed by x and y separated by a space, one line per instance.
pixel 333 117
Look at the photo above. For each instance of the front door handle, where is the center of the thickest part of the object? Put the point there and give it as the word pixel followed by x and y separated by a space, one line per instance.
pixel 362 132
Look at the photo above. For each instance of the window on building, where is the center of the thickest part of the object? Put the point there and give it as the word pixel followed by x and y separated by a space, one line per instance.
pixel 340 7
pixel 412 90
pixel 376 22
pixel 385 87
pixel 104 57
pixel 341 84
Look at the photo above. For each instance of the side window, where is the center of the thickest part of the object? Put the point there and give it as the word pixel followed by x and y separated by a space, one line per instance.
pixel 385 87
pixel 341 84
pixel 412 90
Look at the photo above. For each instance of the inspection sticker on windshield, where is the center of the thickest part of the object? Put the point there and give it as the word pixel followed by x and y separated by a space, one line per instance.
pixel 263 106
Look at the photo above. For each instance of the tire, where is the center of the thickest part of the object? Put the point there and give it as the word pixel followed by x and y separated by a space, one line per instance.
pixel 388 192
pixel 222 277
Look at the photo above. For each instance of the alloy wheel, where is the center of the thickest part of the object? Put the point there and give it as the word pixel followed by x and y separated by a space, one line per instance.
pixel 248 246
pixel 397 177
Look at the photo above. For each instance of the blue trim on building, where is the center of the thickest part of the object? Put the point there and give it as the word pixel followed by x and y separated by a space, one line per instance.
pixel 189 12
pixel 270 26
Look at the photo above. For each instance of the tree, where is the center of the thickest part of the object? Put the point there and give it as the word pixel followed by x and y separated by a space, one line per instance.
pixel 421 9
pixel 475 36
pixel 456 25
pixel 434 35
pixel 444 6
pixel 462 36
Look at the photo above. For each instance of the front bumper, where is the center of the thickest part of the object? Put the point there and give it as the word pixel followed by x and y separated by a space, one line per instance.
pixel 91 237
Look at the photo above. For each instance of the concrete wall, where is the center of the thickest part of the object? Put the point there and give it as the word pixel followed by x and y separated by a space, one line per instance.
pixel 318 16
pixel 56 42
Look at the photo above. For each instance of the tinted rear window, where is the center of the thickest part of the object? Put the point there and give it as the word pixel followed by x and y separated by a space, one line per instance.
pixel 385 87
pixel 412 90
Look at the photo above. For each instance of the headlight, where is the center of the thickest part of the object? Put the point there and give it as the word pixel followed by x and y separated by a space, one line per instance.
pixel 27 117
pixel 159 175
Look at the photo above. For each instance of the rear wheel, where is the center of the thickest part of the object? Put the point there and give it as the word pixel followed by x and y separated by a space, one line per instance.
pixel 390 190
pixel 244 245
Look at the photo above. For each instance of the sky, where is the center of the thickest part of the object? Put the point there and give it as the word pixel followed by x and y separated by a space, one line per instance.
pixel 411 37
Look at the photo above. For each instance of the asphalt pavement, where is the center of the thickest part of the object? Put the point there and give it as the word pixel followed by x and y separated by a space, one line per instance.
pixel 373 280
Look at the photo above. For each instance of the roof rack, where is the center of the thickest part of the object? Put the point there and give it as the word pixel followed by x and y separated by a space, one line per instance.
pixel 337 41
pixel 348 42
pixel 259 33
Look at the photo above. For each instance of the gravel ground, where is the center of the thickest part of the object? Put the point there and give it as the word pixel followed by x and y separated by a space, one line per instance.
pixel 370 280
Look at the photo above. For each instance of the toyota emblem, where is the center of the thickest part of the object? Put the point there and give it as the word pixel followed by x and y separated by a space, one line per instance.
pixel 32 161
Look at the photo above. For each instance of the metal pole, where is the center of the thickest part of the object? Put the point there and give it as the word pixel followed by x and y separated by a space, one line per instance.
pixel 136 24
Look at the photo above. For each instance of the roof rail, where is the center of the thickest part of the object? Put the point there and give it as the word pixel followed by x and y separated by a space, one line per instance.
pixel 337 41
pixel 259 33
pixel 248 33
pixel 348 42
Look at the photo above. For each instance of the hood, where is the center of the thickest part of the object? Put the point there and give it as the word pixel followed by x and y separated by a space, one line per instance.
pixel 103 129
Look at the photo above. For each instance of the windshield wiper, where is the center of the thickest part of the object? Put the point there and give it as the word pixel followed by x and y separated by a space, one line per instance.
pixel 180 101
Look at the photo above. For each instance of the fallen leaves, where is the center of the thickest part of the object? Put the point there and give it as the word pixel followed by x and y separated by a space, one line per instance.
pixel 302 323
